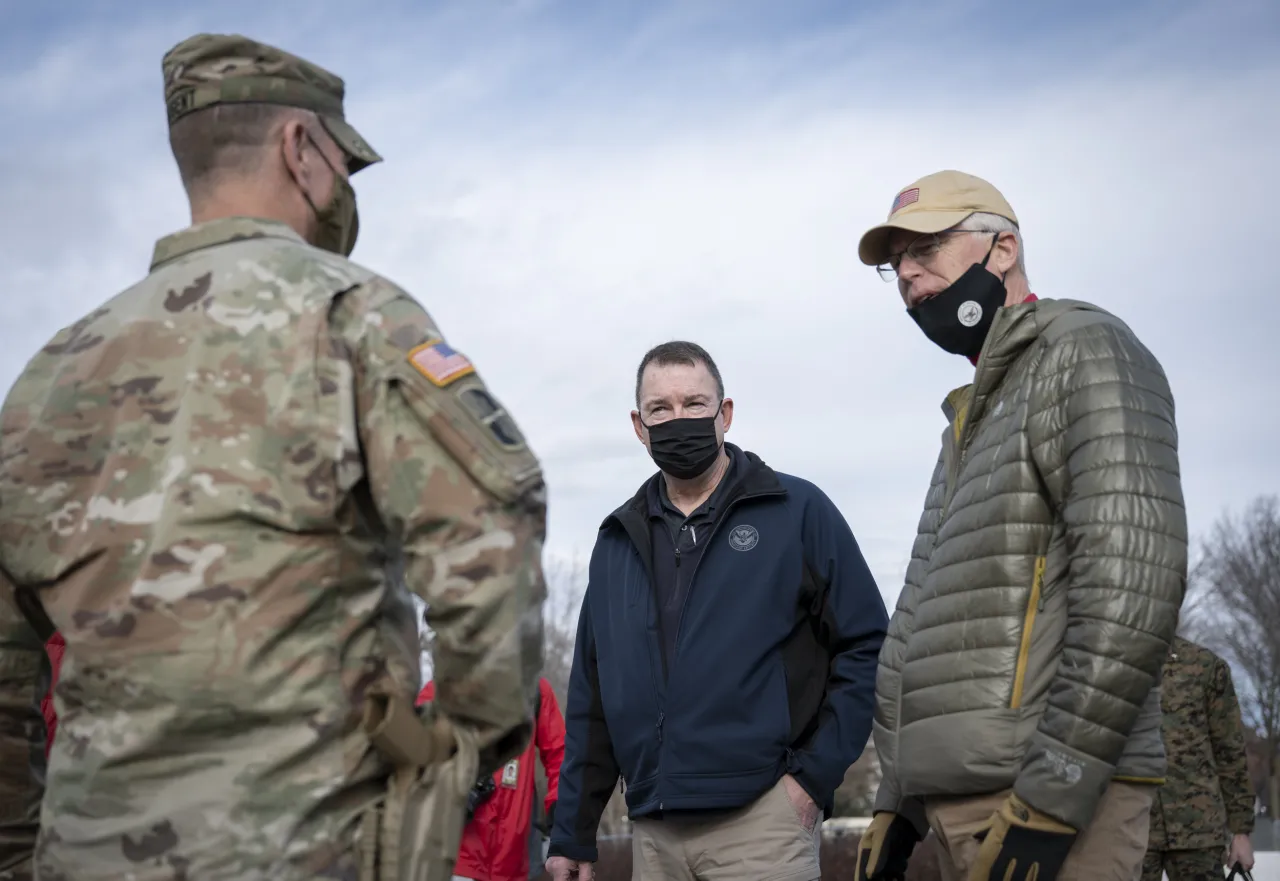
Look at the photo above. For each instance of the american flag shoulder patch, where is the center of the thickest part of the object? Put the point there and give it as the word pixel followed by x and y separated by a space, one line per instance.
pixel 438 362
pixel 905 198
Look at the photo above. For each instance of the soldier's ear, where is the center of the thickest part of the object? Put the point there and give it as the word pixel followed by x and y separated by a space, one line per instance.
pixel 293 152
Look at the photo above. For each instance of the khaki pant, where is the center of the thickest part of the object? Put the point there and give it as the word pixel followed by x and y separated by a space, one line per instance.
pixel 1111 848
pixel 764 841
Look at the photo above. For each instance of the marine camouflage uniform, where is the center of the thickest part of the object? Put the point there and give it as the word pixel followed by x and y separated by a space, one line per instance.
pixel 1206 797
pixel 217 487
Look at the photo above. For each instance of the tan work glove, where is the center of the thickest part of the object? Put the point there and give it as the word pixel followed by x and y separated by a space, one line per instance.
pixel 885 848
pixel 1020 843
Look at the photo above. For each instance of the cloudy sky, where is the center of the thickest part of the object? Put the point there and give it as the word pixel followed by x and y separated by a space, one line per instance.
pixel 568 184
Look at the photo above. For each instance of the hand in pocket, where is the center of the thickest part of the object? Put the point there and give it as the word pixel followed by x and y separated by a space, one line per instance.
pixel 804 806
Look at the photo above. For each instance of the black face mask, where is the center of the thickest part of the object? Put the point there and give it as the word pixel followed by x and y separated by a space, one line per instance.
pixel 684 448
pixel 958 318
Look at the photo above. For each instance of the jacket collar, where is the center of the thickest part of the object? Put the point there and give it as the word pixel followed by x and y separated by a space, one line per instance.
pixel 219 232
pixel 751 477
pixel 1014 329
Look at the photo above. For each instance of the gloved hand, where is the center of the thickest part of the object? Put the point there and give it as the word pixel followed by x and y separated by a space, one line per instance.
pixel 1020 843
pixel 885 848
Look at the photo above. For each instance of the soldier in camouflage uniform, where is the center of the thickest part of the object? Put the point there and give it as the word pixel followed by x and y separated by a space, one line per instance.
pixel 1206 797
pixel 217 486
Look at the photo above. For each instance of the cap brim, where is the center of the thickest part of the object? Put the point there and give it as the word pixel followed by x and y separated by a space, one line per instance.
pixel 873 249
pixel 360 154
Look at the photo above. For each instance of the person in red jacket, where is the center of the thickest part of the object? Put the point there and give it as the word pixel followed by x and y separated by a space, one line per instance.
pixel 54 648
pixel 495 841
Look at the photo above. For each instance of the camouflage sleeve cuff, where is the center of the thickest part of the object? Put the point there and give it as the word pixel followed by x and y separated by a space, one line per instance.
pixel 1241 824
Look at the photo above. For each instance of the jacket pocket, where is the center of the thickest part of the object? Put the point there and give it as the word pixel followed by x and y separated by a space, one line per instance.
pixel 1028 625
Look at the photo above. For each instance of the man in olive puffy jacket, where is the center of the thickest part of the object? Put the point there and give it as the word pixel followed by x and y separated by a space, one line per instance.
pixel 1018 699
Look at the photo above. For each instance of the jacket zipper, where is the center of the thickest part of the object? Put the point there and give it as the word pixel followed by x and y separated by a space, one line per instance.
pixel 1035 604
pixel 662 642
pixel 653 676
pixel 952 464
pixel 962 446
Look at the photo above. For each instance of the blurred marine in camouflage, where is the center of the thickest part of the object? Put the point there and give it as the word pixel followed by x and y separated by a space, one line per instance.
pixel 216 487
pixel 1204 809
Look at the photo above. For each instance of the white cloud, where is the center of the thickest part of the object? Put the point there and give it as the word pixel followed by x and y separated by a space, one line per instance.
pixel 555 235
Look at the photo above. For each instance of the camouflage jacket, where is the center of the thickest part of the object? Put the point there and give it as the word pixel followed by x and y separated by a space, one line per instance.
pixel 217 487
pixel 1206 796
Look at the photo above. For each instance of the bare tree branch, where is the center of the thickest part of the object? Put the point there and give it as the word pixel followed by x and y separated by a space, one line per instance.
pixel 1236 585
pixel 566 585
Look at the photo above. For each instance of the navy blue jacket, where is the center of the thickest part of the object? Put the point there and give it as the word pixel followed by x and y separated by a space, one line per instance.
pixel 773 673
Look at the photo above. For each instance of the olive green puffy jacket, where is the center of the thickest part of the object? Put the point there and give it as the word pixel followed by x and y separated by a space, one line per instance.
pixel 1046 578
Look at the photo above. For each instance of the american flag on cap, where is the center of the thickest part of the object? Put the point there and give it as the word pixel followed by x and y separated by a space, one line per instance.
pixel 905 198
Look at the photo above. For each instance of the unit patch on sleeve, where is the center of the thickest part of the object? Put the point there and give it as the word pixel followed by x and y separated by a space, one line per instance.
pixel 438 362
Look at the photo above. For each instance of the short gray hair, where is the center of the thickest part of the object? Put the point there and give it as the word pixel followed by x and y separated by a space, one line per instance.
pixel 226 140
pixel 980 221
pixel 679 352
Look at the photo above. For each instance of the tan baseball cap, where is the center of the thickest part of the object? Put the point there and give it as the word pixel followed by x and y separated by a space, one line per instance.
pixel 936 202
pixel 208 69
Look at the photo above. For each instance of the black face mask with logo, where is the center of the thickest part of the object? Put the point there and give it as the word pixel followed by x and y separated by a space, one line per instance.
pixel 685 448
pixel 958 319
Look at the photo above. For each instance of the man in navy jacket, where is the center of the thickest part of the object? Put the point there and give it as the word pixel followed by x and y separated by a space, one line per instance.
pixel 724 671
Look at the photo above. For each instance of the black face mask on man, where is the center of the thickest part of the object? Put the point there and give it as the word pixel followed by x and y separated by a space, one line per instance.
pixel 958 319
pixel 685 448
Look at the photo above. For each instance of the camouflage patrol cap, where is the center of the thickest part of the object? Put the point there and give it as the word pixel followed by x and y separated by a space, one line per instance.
pixel 209 69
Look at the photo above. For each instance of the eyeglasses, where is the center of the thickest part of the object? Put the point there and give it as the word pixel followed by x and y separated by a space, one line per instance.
pixel 924 248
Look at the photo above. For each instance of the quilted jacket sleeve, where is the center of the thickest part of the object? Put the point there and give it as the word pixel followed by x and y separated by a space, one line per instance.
pixel 886 722
pixel 1104 439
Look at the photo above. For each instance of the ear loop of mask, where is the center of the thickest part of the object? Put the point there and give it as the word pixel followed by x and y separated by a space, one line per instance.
pixel 987 259
pixel 325 160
